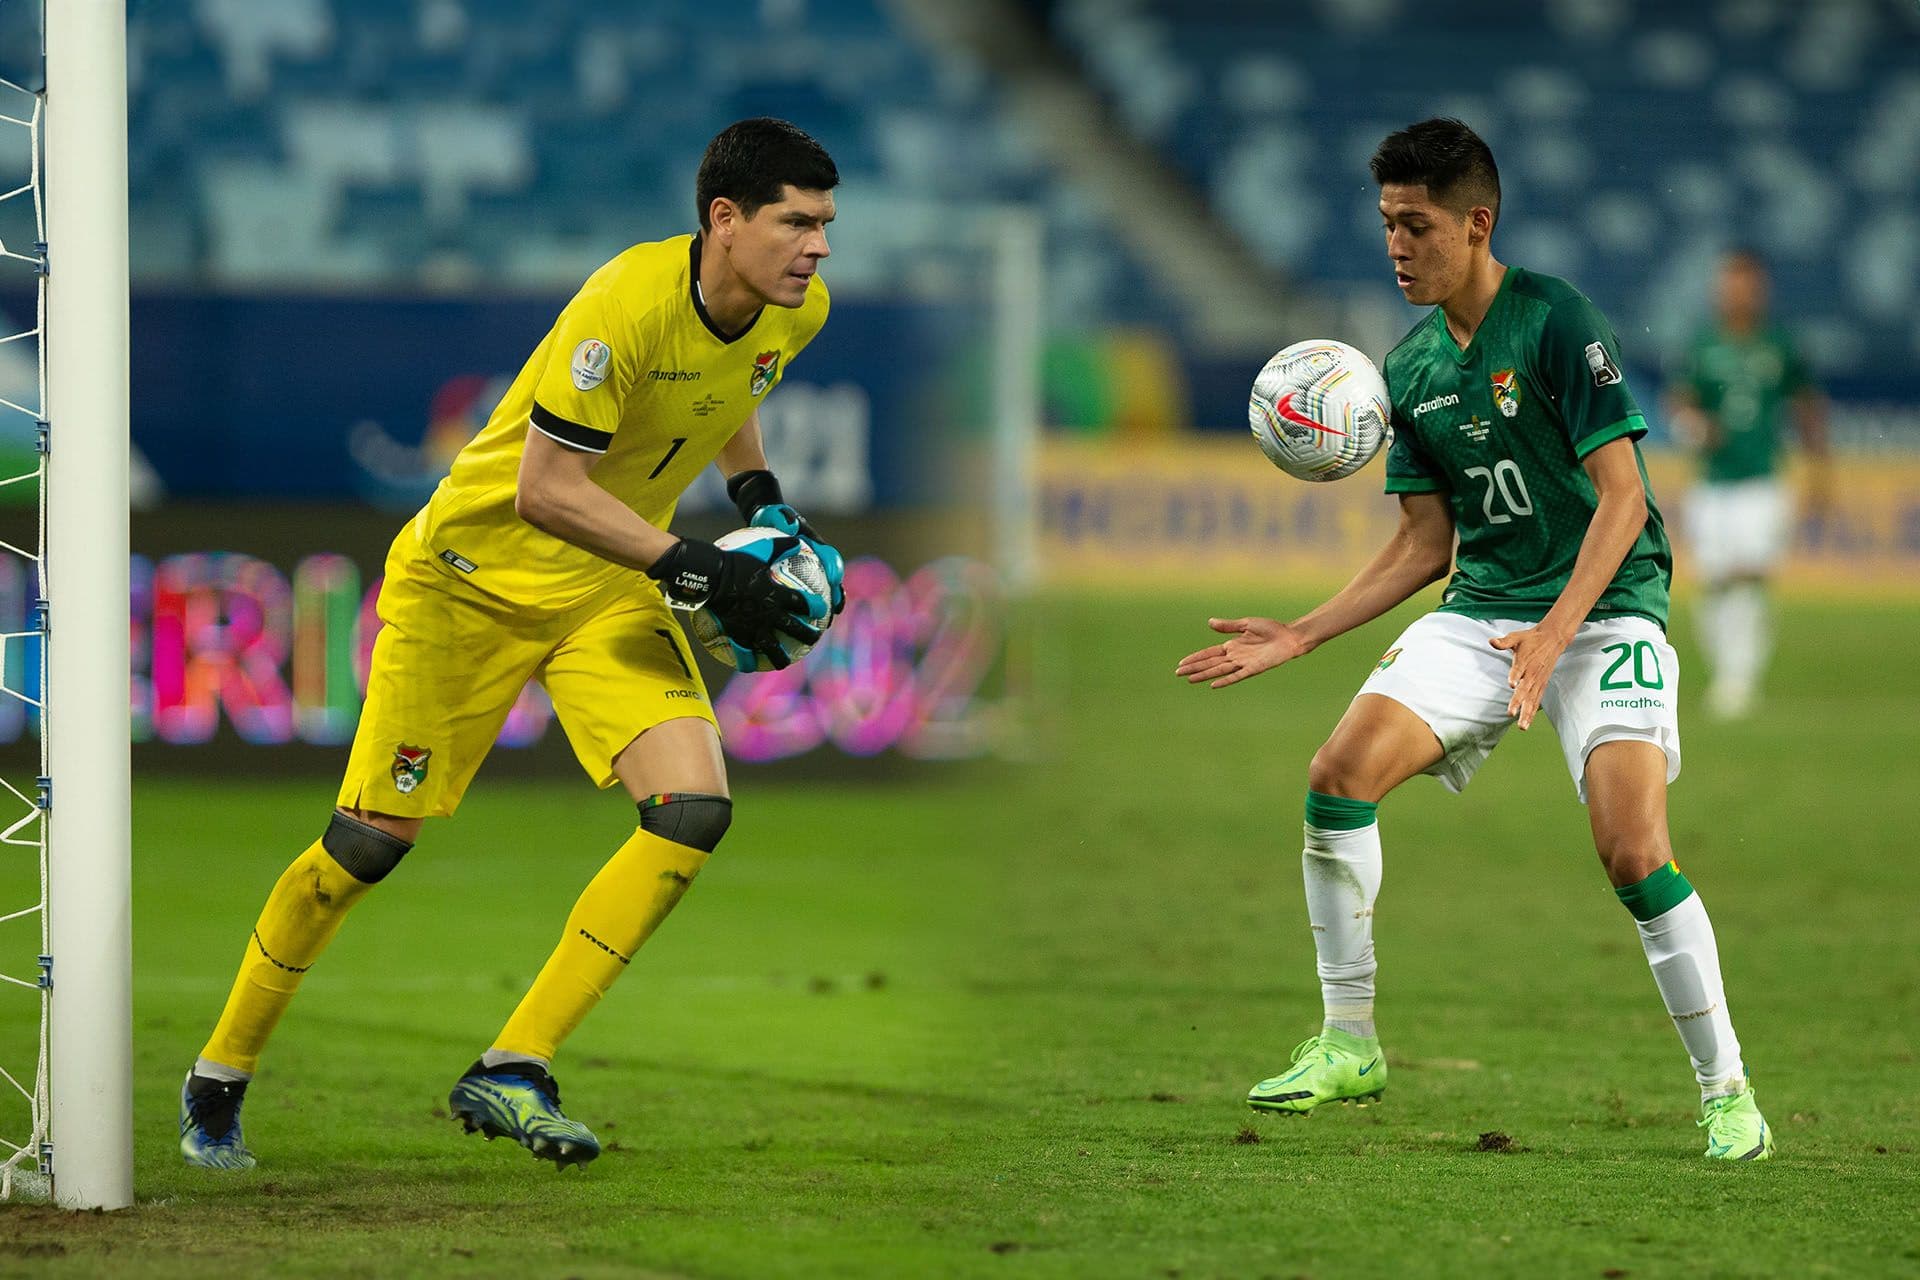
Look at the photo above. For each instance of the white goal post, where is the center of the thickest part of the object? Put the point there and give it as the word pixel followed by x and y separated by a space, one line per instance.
pixel 87 721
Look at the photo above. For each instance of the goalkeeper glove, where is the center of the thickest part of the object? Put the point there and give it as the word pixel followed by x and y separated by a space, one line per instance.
pixel 757 495
pixel 739 588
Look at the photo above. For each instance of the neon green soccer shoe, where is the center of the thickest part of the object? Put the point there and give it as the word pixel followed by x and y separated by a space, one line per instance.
pixel 1330 1067
pixel 1735 1128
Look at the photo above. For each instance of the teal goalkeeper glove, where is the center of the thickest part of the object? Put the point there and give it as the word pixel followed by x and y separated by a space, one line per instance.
pixel 757 495
pixel 741 592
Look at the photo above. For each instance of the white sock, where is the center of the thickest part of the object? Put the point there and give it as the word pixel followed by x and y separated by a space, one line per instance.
pixel 1713 632
pixel 499 1057
pixel 1342 871
pixel 1742 640
pixel 208 1069
pixel 1686 967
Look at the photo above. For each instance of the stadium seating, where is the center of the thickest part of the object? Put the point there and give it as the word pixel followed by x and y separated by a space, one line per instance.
pixel 479 141
pixel 1795 128
pixel 466 142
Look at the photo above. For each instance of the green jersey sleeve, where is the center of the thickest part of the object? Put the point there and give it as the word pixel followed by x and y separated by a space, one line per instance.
pixel 1690 370
pixel 1795 375
pixel 1580 367
pixel 1409 470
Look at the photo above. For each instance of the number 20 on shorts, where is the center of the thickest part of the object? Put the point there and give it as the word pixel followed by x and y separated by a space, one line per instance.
pixel 1645 659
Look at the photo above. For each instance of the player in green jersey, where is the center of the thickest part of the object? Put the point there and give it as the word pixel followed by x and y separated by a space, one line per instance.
pixel 1515 432
pixel 1731 397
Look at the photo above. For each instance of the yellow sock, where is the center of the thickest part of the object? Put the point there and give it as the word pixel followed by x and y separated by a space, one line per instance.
pixel 302 914
pixel 619 909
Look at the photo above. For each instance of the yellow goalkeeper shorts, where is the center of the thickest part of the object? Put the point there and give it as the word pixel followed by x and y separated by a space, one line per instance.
pixel 450 662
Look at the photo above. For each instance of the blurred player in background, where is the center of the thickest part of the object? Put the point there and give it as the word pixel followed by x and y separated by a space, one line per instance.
pixel 545 555
pixel 1514 430
pixel 1730 398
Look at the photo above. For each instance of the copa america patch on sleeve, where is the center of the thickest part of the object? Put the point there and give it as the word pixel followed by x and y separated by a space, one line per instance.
pixel 1605 372
pixel 590 361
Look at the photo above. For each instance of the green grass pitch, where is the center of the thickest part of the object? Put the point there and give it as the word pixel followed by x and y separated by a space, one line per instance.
pixel 1000 1023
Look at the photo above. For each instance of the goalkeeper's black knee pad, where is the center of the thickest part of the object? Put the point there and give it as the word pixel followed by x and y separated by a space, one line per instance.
pixel 363 851
pixel 687 817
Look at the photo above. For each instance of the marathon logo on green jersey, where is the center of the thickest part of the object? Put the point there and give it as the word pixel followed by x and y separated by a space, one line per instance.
pixel 1438 402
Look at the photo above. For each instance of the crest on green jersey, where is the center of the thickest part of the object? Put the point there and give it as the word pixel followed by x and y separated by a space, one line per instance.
pixel 1506 392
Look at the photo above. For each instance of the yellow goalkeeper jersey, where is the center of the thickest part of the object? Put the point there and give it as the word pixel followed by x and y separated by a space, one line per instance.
pixel 635 369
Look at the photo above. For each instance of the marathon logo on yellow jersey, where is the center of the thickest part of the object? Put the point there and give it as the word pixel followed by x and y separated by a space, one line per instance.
pixel 590 361
pixel 766 366
pixel 1506 392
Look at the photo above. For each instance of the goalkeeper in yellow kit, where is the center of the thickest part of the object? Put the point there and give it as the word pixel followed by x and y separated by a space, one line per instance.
pixel 545 555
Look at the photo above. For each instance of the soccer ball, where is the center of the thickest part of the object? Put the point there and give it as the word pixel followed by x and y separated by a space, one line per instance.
pixel 1319 410
pixel 800 569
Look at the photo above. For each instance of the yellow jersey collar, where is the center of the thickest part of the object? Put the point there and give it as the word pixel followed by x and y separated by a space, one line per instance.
pixel 700 303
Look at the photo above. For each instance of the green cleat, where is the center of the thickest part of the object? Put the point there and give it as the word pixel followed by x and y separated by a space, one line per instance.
pixel 1330 1067
pixel 1735 1128
pixel 520 1100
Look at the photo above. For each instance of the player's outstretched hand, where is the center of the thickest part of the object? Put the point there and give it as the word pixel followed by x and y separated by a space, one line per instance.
pixel 1535 652
pixel 1254 645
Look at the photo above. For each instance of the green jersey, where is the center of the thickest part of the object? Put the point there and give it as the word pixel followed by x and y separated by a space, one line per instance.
pixel 1744 381
pixel 1501 429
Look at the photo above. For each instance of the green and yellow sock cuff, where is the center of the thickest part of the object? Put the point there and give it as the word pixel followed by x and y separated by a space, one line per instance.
pixel 1658 894
pixel 1337 813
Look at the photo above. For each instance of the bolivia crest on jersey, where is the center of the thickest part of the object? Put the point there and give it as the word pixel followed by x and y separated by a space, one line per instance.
pixel 1506 392
pixel 766 366
pixel 410 767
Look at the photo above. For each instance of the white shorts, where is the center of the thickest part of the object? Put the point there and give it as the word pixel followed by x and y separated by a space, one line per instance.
pixel 1619 679
pixel 1739 529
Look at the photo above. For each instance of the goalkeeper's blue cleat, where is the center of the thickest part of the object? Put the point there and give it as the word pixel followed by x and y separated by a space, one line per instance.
pixel 520 1100
pixel 210 1123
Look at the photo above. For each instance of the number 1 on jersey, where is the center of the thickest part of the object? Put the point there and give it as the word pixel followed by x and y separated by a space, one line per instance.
pixel 673 449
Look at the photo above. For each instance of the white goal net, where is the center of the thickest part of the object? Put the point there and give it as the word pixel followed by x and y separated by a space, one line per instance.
pixel 65 869
pixel 25 966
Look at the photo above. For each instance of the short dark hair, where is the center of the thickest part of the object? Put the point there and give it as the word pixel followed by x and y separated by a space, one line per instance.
pixel 1449 158
pixel 749 161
